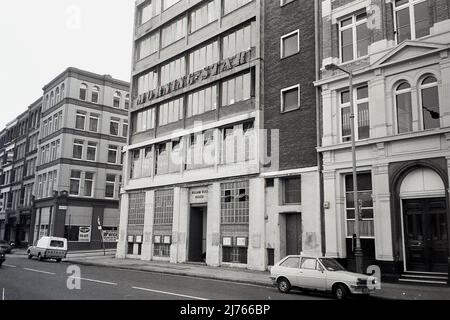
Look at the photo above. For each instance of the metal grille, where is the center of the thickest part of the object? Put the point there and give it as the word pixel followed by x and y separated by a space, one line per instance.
pixel 161 250
pixel 163 207
pixel 234 255
pixel 234 202
pixel 136 209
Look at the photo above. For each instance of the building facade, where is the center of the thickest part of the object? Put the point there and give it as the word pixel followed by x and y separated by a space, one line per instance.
pixel 18 149
pixel 398 52
pixel 199 185
pixel 83 127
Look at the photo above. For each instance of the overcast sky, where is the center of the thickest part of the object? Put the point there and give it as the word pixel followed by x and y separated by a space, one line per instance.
pixel 41 38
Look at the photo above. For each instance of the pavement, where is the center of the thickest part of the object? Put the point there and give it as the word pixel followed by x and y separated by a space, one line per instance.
pixel 391 291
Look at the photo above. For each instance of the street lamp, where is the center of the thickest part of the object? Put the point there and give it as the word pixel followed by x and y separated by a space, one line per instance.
pixel 358 250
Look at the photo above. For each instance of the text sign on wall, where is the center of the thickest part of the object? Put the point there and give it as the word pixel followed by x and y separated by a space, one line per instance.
pixel 198 195
pixel 84 234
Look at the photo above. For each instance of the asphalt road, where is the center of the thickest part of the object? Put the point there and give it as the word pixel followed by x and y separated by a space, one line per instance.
pixel 23 279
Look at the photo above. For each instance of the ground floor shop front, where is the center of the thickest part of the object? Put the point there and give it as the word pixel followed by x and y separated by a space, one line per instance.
pixel 248 222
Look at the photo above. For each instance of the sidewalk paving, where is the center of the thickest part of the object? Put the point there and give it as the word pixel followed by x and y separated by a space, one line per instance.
pixel 394 291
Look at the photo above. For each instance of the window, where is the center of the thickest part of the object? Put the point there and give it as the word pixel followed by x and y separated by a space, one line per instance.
pixel 162 159
pixel 112 154
pixel 110 186
pixel 63 87
pixel 147 162
pixel 203 57
pixel 78 149
pixel 83 91
pixel 117 99
pixel 88 184
pixel 173 70
pixel 291 263
pixel 238 143
pixel 148 45
pixel 231 5
pixel 143 120
pixel 163 207
pixel 292 190
pixel 237 41
pixel 52 99
pixel 404 107
pixel 235 203
pixel 80 120
pixel 75 181
pixel 284 2
pixel 168 3
pixel 234 255
pixel 365 202
pixel 170 112
pixel 290 98
pixel 147 82
pixel 136 208
pixel 175 158
pixel 290 44
pixel 202 101
pixel 93 122
pixel 362 121
pixel 136 164
pixel 125 128
pixel 412 19
pixel 95 94
pixel 91 151
pixel 204 15
pixel 173 32
pixel 114 127
pixel 127 101
pixel 309 264
pixel 200 151
pixel 236 89
pixel 58 96
pixel 430 103
pixel 161 250
pixel 354 37
pixel 148 10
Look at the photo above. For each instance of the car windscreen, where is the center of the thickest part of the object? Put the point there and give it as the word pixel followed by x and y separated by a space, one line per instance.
pixel 331 264
pixel 56 244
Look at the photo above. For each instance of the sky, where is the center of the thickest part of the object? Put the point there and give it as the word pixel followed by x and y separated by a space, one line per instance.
pixel 39 39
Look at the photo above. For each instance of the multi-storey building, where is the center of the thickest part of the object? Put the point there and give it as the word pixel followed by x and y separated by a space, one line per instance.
pixel 83 127
pixel 195 186
pixel 19 142
pixel 398 52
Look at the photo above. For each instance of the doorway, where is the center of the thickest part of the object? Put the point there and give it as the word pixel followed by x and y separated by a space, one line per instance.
pixel 426 235
pixel 197 234
pixel 293 234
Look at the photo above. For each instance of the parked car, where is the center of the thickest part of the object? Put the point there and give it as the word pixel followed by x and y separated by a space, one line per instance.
pixel 2 257
pixel 307 272
pixel 6 246
pixel 49 248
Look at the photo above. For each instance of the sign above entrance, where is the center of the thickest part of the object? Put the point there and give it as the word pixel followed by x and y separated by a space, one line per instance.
pixel 198 195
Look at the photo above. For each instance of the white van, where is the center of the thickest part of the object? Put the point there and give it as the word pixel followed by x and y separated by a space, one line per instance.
pixel 49 248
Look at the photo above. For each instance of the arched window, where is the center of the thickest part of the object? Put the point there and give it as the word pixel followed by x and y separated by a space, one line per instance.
pixel 95 94
pixel 62 90
pixel 404 107
pixel 117 98
pixel 58 97
pixel 429 93
pixel 52 99
pixel 83 91
pixel 47 102
pixel 127 101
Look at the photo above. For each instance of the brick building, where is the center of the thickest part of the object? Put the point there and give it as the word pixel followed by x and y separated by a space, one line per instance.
pixel 398 52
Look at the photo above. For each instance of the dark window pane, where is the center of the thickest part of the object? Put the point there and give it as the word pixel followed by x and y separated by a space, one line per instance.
pixel 292 190
pixel 290 45
pixel 422 16
pixel 362 36
pixel 403 25
pixel 363 121
pixel 430 105
pixel 290 99
pixel 346 124
pixel 404 112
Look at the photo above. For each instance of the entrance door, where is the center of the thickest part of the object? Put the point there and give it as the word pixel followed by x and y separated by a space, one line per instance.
pixel 197 234
pixel 426 236
pixel 293 234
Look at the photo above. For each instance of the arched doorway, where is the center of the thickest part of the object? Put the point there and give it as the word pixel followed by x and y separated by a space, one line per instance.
pixel 425 234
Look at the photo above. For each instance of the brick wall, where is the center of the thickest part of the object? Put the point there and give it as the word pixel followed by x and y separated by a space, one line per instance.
pixel 297 128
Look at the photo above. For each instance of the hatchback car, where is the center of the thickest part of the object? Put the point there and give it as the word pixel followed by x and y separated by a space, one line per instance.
pixel 6 246
pixel 320 274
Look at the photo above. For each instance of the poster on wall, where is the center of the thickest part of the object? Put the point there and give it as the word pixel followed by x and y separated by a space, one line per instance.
pixel 84 234
pixel 110 235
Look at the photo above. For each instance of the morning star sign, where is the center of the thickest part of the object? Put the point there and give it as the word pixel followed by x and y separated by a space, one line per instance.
pixel 193 78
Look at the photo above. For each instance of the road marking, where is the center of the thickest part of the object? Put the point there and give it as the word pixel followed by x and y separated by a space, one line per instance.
pixel 39 271
pixel 3 294
pixel 97 281
pixel 170 293
pixel 9 265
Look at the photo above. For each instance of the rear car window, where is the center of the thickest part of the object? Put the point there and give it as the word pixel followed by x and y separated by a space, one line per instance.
pixel 56 244
pixel 291 263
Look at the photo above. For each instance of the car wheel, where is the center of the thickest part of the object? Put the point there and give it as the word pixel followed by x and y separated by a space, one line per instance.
pixel 30 255
pixel 341 292
pixel 39 257
pixel 283 285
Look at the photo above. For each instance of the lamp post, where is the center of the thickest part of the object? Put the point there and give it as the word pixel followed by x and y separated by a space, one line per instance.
pixel 358 250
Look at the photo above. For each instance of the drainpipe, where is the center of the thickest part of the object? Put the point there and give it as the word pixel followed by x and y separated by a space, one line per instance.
pixel 319 128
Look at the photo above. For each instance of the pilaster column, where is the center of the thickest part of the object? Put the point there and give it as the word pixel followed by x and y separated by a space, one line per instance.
pixel 256 245
pixel 147 252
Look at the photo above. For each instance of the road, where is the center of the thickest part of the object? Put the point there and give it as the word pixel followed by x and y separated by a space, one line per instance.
pixel 23 279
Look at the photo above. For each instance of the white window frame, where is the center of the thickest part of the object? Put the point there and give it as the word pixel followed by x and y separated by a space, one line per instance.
pixel 90 145
pixel 352 26
pixel 98 122
pixel 116 150
pixel 282 91
pixel 76 143
pixel 92 187
pixel 422 87
pixel 353 96
pixel 79 114
pixel 282 49
pixel 111 183
pixel 412 17
pixel 118 127
pixel 79 183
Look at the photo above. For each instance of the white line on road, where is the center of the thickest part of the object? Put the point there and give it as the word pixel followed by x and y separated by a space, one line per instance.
pixel 9 265
pixel 98 281
pixel 3 294
pixel 169 293
pixel 39 271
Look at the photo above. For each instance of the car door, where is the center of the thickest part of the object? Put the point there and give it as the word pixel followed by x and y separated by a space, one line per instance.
pixel 290 268
pixel 311 274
